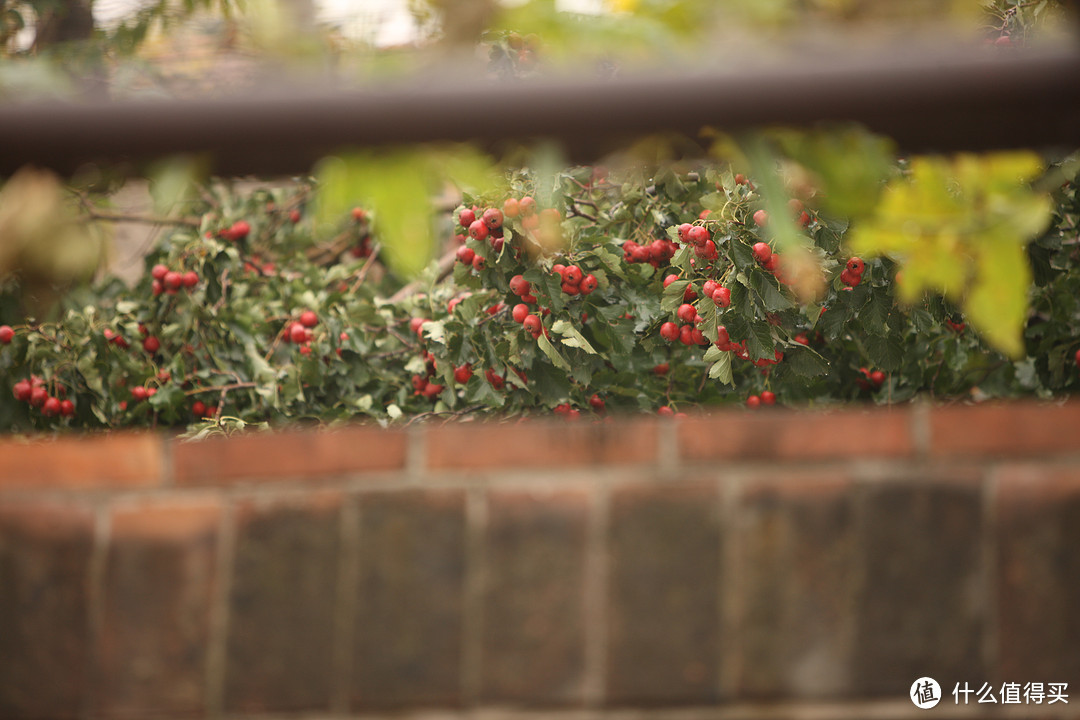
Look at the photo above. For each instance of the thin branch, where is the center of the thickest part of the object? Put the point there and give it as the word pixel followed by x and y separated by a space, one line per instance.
pixel 145 219
pixel 222 388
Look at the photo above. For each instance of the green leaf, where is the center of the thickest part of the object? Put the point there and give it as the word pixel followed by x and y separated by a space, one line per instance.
pixel 885 352
pixel 721 369
pixel 673 295
pixel 770 293
pixel 572 337
pixel 553 355
pixel 805 362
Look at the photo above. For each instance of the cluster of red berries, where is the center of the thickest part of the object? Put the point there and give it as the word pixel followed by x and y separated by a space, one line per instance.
pixel 170 281
pixel 725 344
pixel 658 251
pixel 666 411
pixel 237 231
pixel 363 248
pixel 870 380
pixel 488 226
pixel 767 397
pixel 201 410
pixel 719 294
pixel 852 274
pixel 573 281
pixel 569 412
pixel 422 385
pixel 34 392
pixel 768 259
pixel 115 339
pixel 7 334
pixel 521 312
pixel 697 237
pixel 299 332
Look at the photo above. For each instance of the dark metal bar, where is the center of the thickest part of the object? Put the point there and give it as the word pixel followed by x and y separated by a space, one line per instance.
pixel 981 98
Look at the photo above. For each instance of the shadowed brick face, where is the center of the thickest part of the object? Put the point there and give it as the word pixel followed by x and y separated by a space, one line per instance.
pixel 409 617
pixel 798 552
pixel 533 644
pixel 772 564
pixel 1038 574
pixel 920 608
pixel 159 582
pixel 44 561
pixel 664 590
pixel 280 643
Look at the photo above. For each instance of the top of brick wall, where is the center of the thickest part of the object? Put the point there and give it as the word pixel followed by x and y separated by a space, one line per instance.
pixel 147 460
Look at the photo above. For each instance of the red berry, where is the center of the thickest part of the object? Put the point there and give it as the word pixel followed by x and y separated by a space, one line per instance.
pixel 493 218
pixel 665 411
pixel 298 333
pixel 533 325
pixel 570 289
pixel 689 294
pixel 139 392
pixel 740 179
pixel 239 230
pixel 151 344
pixel 190 279
pixel 51 407
pixel 768 397
pixel 849 278
pixel 466 254
pixel 159 271
pixel 669 331
pixel 684 231
pixel 67 408
pixel 762 252
pixel 198 409
pixel 597 403
pixel 520 312
pixel 173 280
pixel 1078 358
pixel 22 390
pixel 753 401
pixel 462 374
pixel 519 285
pixel 856 266
pixel 478 230
pixel 801 339
pixel 686 335
pixel 479 262
pixel 761 218
pixel 466 217
pixel 157 288
pixel 662 368
pixel 7 333
pixel 709 288
pixel 309 319
pixel 38 395
pixel 588 284
pixel 722 297
pixel 511 208
pixel 697 235
pixel 670 279
pixel 527 205
pixel 877 377
pixel 805 219
pixel 572 275
pixel 530 298
pixel 686 313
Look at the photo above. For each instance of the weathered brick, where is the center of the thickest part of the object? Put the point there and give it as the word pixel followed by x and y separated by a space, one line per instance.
pixel 798 563
pixel 664 595
pixel 921 609
pixel 45 555
pixel 1002 430
pixel 159 586
pixel 796 435
pixel 288 455
pixel 121 460
pixel 533 620
pixel 541 444
pixel 408 630
pixel 279 649
pixel 1038 574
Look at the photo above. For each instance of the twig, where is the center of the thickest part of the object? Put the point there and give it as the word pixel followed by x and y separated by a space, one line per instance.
pixel 146 219
pixel 223 388
pixel 450 413
pixel 360 276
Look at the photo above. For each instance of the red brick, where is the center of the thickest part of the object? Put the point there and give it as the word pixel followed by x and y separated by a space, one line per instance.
pixel 1001 430
pixel 1038 573
pixel 45 555
pixel 541 444
pixel 921 606
pixel 798 560
pixel 664 595
pixel 72 463
pixel 410 607
pixel 280 644
pixel 159 584
pixel 534 598
pixel 287 455
pixel 796 435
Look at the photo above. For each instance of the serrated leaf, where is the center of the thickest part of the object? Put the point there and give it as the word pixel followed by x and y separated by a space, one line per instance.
pixel 572 337
pixel 721 369
pixel 805 362
pixel 553 355
pixel 770 294
pixel 885 352
pixel 673 295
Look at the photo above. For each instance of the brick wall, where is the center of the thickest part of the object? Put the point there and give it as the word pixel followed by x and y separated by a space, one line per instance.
pixel 763 565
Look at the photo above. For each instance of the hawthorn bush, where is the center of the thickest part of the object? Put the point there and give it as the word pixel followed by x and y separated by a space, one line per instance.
pixel 628 292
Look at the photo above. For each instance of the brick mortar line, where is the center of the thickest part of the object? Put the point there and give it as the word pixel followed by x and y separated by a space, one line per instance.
pixel 95 606
pixel 596 597
pixel 347 602
pixel 217 648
